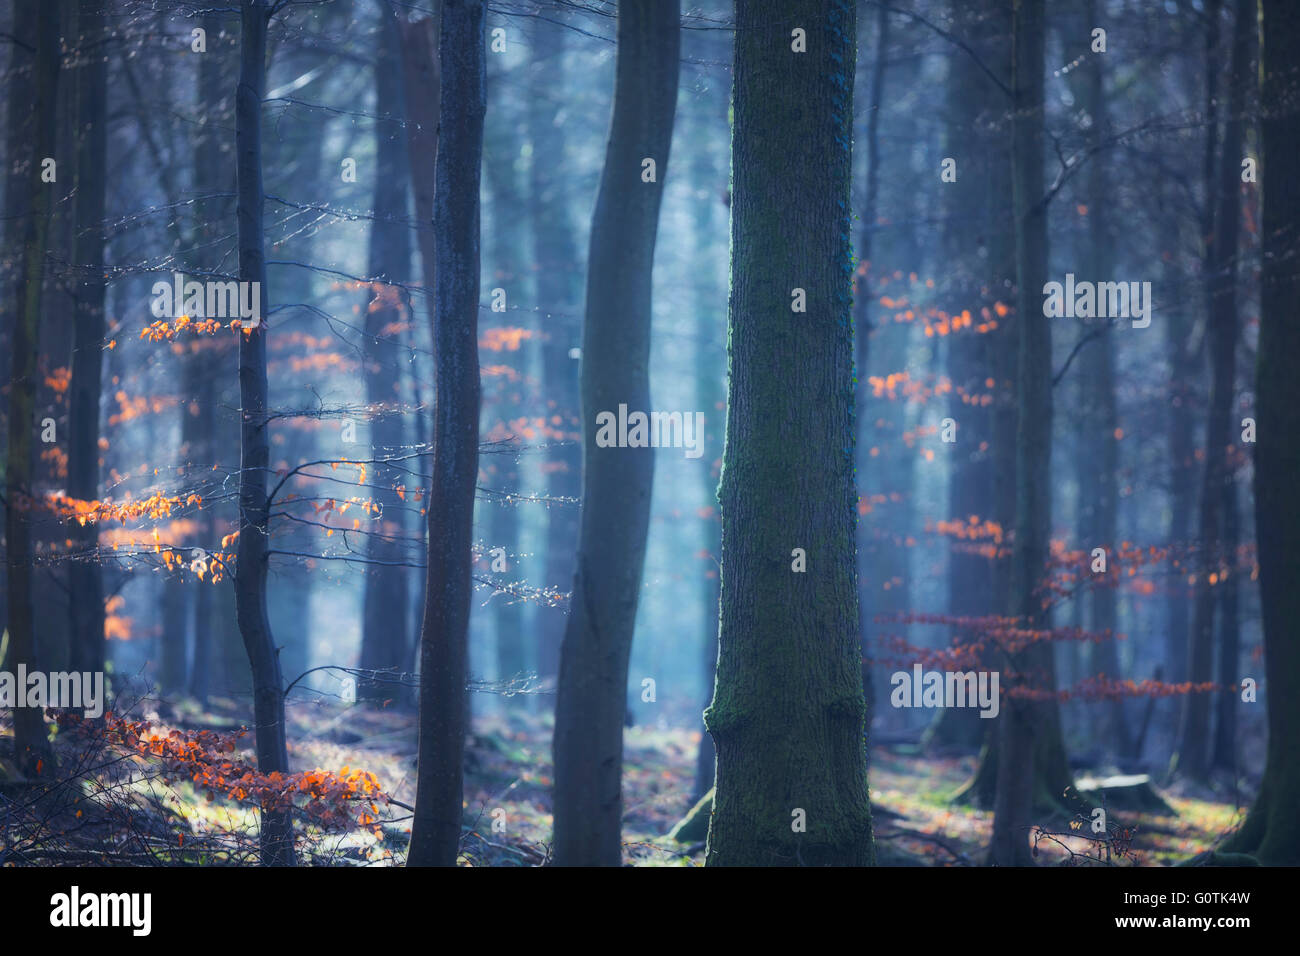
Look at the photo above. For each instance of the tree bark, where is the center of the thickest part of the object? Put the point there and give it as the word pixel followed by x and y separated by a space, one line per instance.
pixel 1272 828
pixel 1193 759
pixel 444 648
pixel 1098 442
pixel 85 576
pixel 384 637
pixel 592 690
pixel 30 744
pixel 1020 718
pixel 254 533
pixel 788 715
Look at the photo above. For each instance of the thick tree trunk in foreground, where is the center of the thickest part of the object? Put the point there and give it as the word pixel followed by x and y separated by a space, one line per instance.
pixel 1272 829
pixel 788 714
pixel 444 634
pixel 592 691
pixel 254 535
pixel 30 745
pixel 1022 721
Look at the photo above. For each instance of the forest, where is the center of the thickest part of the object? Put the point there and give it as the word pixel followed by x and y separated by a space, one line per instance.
pixel 590 433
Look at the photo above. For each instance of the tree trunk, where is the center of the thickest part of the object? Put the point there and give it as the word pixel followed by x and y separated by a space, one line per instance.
pixel 1021 719
pixel 254 535
pixel 444 647
pixel 208 358
pixel 1193 760
pixel 1098 441
pixel 592 690
pixel 85 576
pixel 30 744
pixel 559 297
pixel 1272 828
pixel 788 715
pixel 384 637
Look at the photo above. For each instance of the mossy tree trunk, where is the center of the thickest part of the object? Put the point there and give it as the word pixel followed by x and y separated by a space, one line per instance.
pixel 592 692
pixel 788 713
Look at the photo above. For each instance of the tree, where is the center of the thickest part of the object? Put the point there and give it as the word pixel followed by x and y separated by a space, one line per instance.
pixel 444 649
pixel 254 507
pixel 1213 565
pixel 1021 719
pixel 38 141
pixel 787 716
pixel 85 577
pixel 559 291
pixel 384 636
pixel 1098 444
pixel 1272 829
pixel 616 482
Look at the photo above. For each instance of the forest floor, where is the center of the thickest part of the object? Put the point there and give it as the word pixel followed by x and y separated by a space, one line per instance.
pixel 508 799
pixel 508 767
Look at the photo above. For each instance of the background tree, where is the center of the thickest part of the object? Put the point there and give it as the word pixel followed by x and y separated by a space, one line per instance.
pixel 444 671
pixel 616 482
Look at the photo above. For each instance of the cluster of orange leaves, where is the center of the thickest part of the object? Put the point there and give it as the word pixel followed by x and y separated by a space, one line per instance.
pixel 91 512
pixel 209 760
pixel 164 330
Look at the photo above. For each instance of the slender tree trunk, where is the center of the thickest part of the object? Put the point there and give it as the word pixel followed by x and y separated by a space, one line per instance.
pixel 384 637
pixel 974 218
pixel 1099 443
pixel 592 691
pixel 1020 718
pixel 444 647
pixel 254 533
pixel 30 745
pixel 421 84
pixel 559 297
pixel 788 715
pixel 85 576
pixel 207 360
pixel 1272 828
pixel 1193 760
